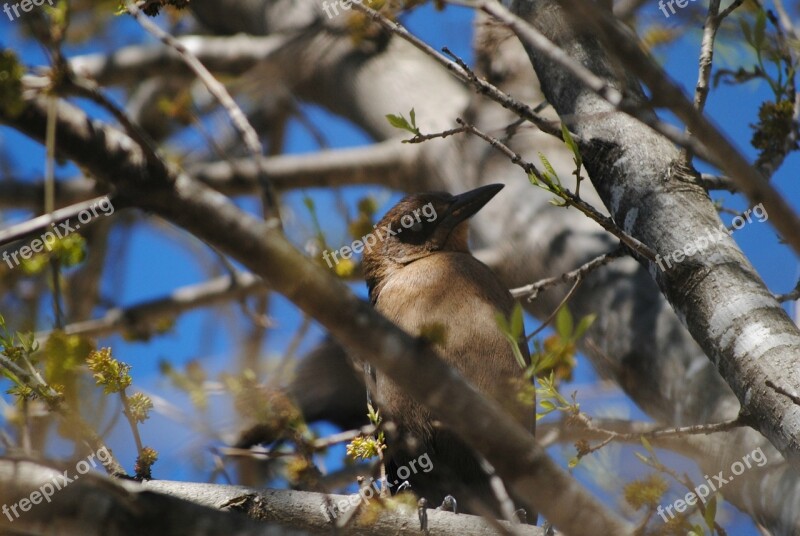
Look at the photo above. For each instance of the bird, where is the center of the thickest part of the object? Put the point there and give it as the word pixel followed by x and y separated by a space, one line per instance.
pixel 422 276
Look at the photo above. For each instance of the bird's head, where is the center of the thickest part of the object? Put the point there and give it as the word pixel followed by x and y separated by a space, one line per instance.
pixel 420 225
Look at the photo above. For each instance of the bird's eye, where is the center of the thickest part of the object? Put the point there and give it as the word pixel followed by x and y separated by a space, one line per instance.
pixel 417 227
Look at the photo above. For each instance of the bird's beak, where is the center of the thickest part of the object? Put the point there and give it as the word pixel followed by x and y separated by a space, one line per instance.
pixel 466 204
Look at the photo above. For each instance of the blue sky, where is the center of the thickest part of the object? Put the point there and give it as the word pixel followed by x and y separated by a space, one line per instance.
pixel 156 260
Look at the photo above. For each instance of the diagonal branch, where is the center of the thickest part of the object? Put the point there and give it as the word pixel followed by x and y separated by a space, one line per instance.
pixel 669 94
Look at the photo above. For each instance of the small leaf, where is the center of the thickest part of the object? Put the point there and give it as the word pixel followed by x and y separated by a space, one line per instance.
pixel 502 324
pixel 548 405
pixel 550 172
pixel 746 31
pixel 573 462
pixel 646 444
pixel 567 136
pixel 711 512
pixel 517 327
pixel 584 324
pixel 398 121
pixel 564 324
pixel 758 30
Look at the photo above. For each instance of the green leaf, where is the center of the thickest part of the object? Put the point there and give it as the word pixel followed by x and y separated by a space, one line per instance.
pixel 746 31
pixel 573 462
pixel 759 29
pixel 567 136
pixel 11 72
pixel 398 121
pixel 646 444
pixel 548 405
pixel 711 512
pixel 584 324
pixel 518 354
pixel 550 173
pixel 517 327
pixel 564 324
pixel 502 324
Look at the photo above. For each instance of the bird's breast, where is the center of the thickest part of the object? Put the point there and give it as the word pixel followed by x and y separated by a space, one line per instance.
pixel 455 297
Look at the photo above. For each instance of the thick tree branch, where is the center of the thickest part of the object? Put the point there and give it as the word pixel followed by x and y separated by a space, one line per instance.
pixel 117 507
pixel 162 507
pixel 674 214
pixel 317 511
pixel 231 55
pixel 388 163
pixel 667 93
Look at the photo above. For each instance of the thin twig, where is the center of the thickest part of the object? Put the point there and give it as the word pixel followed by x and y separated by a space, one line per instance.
pixel 705 62
pixel 532 37
pixel 578 281
pixel 132 422
pixel 237 116
pixel 793 295
pixel 752 182
pixel 419 138
pixel 661 433
pixel 728 10
pixel 715 182
pixel 44 221
pixel 316 445
pixel 49 203
pixel 481 86
pixel 532 290
pixel 637 247
pixel 43 390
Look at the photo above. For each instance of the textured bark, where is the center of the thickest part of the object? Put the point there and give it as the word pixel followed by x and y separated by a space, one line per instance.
pixel 94 505
pixel 91 505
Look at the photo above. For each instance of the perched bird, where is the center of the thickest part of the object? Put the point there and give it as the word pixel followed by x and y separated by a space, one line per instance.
pixel 424 278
